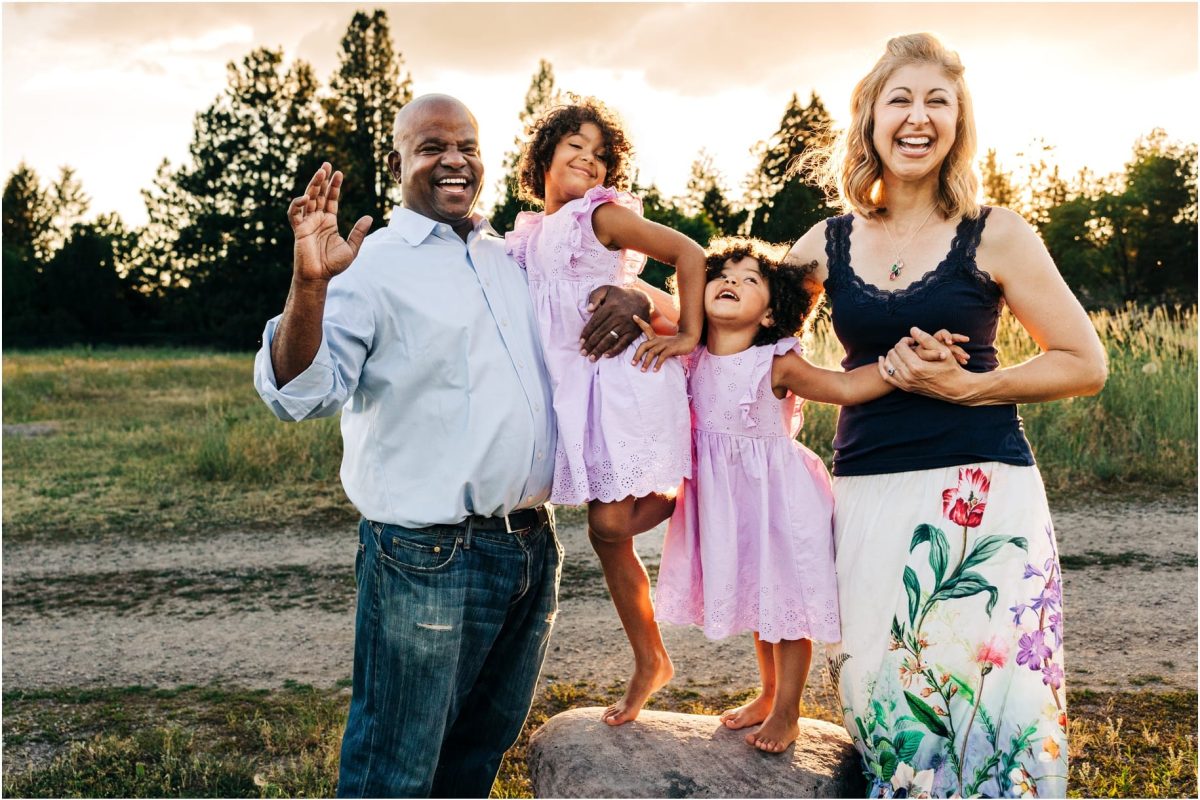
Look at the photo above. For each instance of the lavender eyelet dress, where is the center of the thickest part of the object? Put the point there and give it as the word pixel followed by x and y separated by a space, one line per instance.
pixel 621 432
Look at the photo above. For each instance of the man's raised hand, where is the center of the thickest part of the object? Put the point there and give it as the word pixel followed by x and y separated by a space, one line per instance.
pixel 320 251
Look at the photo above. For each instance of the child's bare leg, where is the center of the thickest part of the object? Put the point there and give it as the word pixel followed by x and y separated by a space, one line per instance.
pixel 757 709
pixel 782 725
pixel 633 515
pixel 630 588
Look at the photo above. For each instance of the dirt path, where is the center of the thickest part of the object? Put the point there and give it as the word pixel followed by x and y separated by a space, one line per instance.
pixel 256 610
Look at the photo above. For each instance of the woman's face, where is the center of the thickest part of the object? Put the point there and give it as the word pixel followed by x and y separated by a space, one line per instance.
pixel 915 119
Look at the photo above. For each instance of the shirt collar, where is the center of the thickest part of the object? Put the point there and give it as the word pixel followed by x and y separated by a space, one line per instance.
pixel 415 228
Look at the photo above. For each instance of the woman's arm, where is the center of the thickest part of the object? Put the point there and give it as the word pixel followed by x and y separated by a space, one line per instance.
pixel 810 248
pixel 616 226
pixel 793 372
pixel 1072 360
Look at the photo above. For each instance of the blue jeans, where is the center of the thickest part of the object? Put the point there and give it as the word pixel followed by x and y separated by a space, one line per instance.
pixel 449 638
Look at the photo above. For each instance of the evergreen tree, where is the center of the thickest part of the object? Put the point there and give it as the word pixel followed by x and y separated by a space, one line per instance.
pixel 664 211
pixel 162 268
pixel 998 187
pixel 28 214
pixel 706 193
pixel 221 216
pixel 1042 186
pixel 87 296
pixel 367 90
pixel 68 203
pixel 784 204
pixel 27 219
pixel 541 96
pixel 1132 237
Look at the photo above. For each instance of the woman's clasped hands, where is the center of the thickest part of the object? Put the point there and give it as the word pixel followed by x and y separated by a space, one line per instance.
pixel 928 364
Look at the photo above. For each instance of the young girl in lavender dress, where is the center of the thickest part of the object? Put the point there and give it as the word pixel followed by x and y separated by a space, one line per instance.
pixel 750 544
pixel 624 441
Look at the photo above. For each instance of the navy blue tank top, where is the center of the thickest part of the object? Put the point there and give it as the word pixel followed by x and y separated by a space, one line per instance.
pixel 901 431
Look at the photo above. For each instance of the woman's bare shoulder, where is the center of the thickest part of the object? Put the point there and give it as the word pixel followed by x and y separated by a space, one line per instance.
pixel 809 248
pixel 1009 246
pixel 1004 223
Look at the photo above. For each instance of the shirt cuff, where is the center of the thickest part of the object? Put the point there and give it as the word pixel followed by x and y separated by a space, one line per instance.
pixel 303 394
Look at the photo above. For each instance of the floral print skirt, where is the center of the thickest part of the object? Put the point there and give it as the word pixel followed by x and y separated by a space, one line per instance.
pixel 950 668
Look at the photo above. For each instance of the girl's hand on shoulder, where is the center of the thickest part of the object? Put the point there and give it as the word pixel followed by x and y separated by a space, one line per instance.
pixel 657 349
pixel 809 248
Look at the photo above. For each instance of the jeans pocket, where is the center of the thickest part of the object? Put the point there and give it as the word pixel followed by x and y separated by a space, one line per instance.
pixel 428 550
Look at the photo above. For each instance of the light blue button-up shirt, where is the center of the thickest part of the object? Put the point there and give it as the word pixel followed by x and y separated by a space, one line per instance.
pixel 430 350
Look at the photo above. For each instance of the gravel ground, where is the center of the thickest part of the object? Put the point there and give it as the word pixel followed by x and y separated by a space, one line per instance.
pixel 257 609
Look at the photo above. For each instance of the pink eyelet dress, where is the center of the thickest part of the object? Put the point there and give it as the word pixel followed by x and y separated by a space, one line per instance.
pixel 621 432
pixel 750 546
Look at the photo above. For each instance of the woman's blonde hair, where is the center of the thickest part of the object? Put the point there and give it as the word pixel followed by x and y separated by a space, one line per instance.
pixel 850 167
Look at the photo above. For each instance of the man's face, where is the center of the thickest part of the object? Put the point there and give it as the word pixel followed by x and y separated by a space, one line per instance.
pixel 437 160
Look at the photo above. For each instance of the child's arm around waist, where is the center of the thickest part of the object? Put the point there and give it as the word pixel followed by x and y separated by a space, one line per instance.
pixel 792 372
pixel 616 226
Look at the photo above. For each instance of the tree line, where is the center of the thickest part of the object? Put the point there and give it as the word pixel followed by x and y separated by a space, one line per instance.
pixel 213 261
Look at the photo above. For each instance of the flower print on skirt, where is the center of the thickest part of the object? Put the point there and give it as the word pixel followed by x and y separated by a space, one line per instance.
pixel 950 668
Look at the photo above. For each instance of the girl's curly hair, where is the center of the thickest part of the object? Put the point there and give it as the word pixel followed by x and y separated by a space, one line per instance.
pixel 792 304
pixel 560 122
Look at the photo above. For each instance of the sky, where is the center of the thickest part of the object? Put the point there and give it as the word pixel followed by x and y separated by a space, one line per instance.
pixel 111 89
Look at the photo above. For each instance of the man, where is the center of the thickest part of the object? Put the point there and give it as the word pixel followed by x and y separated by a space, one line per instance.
pixel 429 348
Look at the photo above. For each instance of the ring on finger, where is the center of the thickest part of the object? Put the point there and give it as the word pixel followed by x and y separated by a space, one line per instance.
pixel 889 369
pixel 614 334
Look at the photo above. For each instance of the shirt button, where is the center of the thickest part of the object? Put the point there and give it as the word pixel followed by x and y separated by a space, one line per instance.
pixel 540 456
pixel 528 498
pixel 504 323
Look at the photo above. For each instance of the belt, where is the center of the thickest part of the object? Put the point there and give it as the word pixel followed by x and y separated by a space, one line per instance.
pixel 526 520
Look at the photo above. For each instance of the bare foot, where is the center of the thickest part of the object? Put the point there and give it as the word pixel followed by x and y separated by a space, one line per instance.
pixel 645 682
pixel 776 734
pixel 752 713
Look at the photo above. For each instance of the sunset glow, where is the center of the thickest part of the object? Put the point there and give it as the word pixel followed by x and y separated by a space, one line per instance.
pixel 112 89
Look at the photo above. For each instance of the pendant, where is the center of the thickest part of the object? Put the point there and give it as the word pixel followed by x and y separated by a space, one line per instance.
pixel 894 272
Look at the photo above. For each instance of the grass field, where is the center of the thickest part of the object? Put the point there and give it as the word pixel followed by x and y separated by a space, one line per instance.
pixel 162 443
pixel 168 442
pixel 209 742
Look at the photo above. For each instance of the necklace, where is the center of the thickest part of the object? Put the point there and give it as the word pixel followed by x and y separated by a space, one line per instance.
pixel 898 261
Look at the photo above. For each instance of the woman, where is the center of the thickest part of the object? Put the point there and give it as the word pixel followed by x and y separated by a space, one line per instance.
pixel 950 670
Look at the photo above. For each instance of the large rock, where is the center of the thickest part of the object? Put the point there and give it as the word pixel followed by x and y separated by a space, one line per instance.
pixel 663 754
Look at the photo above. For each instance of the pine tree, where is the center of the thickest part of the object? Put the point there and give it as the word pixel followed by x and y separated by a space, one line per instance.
pixel 367 90
pixel 784 205
pixel 89 292
pixel 1042 186
pixel 222 215
pixel 998 186
pixel 656 208
pixel 706 194
pixel 28 214
pixel 27 219
pixel 1132 237
pixel 541 96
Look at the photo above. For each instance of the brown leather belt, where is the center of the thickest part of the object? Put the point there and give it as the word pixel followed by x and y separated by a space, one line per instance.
pixel 523 521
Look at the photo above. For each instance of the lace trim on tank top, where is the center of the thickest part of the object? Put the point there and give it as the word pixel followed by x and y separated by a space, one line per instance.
pixel 960 260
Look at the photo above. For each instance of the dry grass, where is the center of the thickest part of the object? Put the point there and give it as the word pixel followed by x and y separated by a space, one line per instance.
pixel 169 442
pixel 209 742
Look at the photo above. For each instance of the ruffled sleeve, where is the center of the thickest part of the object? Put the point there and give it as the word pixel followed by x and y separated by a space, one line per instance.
pixel 580 219
pixel 516 241
pixel 759 382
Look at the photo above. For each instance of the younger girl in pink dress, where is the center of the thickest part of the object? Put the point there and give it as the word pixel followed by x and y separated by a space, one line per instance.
pixel 624 442
pixel 750 544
